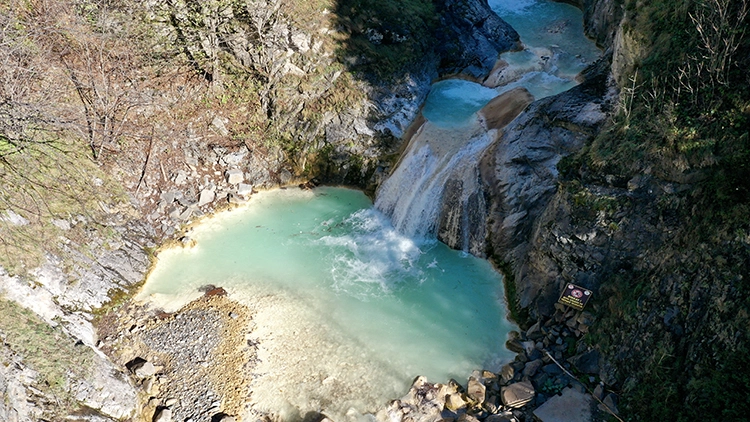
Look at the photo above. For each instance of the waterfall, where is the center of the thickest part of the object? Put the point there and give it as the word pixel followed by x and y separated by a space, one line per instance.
pixel 436 157
pixel 434 192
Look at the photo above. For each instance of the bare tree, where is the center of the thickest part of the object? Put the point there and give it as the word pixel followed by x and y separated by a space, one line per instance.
pixel 721 27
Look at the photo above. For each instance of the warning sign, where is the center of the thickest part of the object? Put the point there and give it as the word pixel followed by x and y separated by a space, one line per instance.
pixel 574 296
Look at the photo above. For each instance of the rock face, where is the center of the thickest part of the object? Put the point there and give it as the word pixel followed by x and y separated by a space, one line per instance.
pixel 520 175
pixel 472 37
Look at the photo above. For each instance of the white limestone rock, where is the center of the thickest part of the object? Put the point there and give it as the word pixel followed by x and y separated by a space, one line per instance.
pixel 206 197
pixel 235 176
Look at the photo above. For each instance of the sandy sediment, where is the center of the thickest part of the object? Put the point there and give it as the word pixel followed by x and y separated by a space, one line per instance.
pixel 502 109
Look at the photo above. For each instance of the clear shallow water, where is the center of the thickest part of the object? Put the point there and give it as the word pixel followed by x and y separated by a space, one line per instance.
pixel 348 311
pixel 555 51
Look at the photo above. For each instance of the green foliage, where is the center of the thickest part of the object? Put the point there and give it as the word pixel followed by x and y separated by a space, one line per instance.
pixel 724 390
pixel 685 108
pixel 551 387
pixel 386 37
pixel 45 349
pixel 517 314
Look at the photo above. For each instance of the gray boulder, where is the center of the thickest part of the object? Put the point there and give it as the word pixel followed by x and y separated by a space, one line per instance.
pixel 518 395
pixel 570 406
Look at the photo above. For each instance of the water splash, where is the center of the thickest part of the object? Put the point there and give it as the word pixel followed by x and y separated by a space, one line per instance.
pixel 370 258
pixel 413 195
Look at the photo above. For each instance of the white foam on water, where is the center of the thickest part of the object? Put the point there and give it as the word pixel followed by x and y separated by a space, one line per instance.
pixel 371 256
pixel 412 195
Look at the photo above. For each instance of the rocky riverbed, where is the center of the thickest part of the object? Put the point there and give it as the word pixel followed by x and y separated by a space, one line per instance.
pixel 191 365
pixel 553 377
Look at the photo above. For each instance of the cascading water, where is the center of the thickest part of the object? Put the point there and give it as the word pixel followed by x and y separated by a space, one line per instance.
pixel 440 162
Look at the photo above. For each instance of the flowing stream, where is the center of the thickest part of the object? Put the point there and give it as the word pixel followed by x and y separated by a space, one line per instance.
pixel 455 134
pixel 350 302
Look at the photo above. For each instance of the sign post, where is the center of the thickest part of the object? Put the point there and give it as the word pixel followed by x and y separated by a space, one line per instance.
pixel 575 296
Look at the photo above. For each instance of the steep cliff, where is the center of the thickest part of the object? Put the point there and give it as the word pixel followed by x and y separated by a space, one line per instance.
pixel 646 209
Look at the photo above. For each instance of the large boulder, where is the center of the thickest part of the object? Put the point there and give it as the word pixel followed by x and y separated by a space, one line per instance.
pixel 570 406
pixel 518 395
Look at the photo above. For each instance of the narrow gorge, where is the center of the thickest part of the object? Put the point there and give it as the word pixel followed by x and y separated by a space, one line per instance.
pixel 174 243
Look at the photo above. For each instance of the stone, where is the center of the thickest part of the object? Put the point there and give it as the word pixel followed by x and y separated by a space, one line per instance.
pixel 476 390
pixel 535 354
pixel 14 218
pixel 570 406
pixel 502 109
pixel 507 373
pixel 186 214
pixel 552 369
pixel 515 346
pixel 501 417
pixel 285 176
pixel 168 197
pixel 587 362
pixel 535 331
pixel 610 404
pixel 244 189
pixel 599 391
pixel 454 402
pixel 180 178
pixel 220 125
pixel 517 395
pixel 206 197
pixel 163 415
pixel 531 367
pixel 143 369
pixel 528 347
pixel 61 224
pixel 467 418
pixel 301 42
pixel 148 385
pixel 235 176
pixel 234 158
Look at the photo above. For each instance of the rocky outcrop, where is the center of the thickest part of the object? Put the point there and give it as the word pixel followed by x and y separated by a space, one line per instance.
pixel 50 375
pixel 463 205
pixel 601 18
pixel 471 37
pixel 520 176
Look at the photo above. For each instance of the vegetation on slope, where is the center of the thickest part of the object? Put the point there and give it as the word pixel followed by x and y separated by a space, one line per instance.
pixel 98 93
pixel 54 356
pixel 675 321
